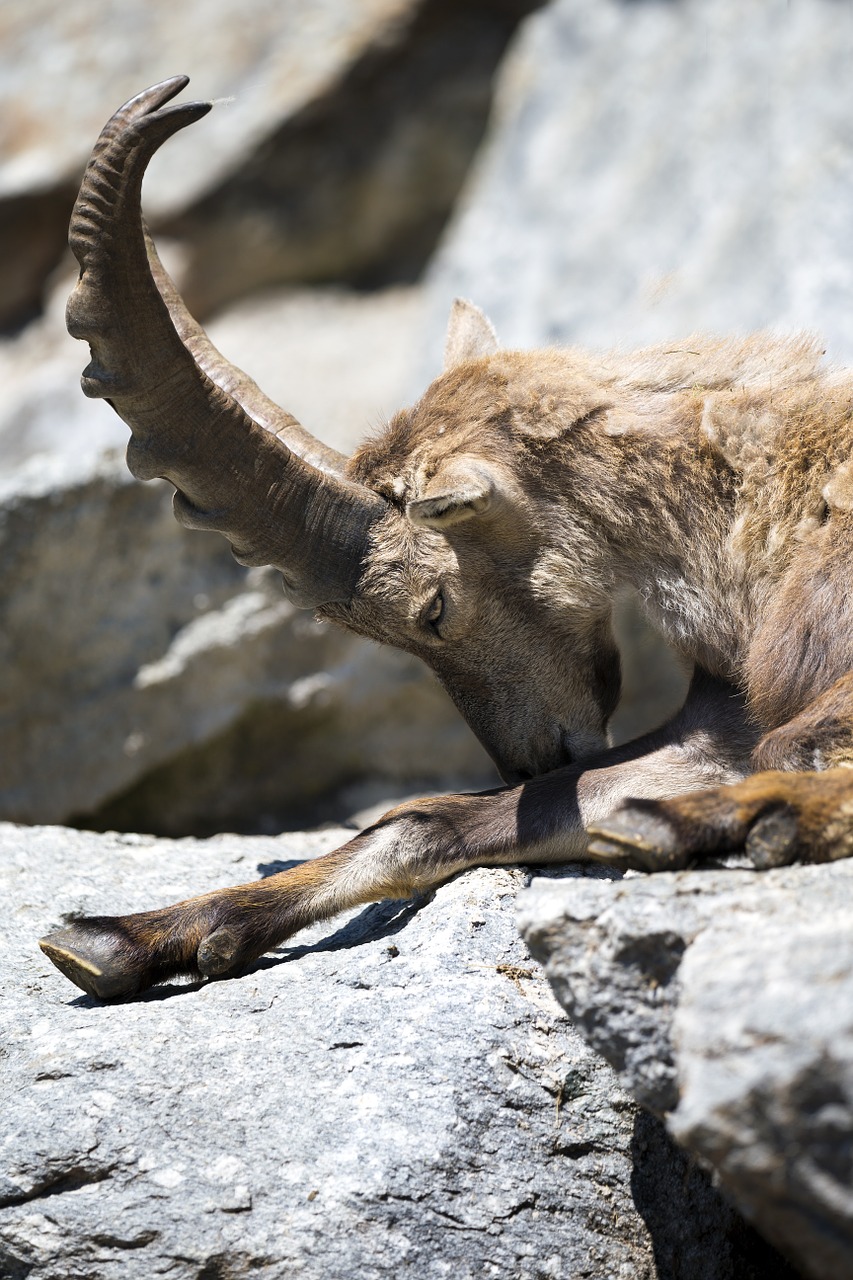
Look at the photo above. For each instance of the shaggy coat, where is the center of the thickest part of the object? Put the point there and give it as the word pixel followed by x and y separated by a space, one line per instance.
pixel 490 529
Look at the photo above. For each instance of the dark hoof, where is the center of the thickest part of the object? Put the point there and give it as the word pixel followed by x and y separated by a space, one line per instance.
pixel 637 840
pixel 220 954
pixel 91 961
pixel 773 839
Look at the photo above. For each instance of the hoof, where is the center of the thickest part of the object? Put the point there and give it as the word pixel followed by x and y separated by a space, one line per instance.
pixel 634 839
pixel 773 839
pixel 90 959
pixel 219 954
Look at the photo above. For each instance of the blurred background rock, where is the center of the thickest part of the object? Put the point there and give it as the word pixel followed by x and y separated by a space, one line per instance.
pixel 590 171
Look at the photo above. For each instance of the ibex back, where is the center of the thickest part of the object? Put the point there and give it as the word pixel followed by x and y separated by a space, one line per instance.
pixel 489 530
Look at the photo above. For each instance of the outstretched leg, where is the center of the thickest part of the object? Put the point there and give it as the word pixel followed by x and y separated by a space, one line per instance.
pixel 799 806
pixel 410 849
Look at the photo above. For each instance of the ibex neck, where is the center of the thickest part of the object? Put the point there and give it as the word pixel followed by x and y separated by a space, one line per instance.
pixel 673 548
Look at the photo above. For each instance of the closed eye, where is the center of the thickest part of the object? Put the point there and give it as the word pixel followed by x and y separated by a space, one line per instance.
pixel 434 614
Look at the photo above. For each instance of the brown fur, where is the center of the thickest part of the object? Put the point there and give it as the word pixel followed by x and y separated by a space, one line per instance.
pixel 489 530
pixel 712 479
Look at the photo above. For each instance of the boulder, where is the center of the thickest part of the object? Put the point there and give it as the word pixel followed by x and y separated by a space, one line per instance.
pixel 285 58
pixel 396 1091
pixel 723 999
pixel 358 184
pixel 349 131
pixel 147 681
pixel 655 169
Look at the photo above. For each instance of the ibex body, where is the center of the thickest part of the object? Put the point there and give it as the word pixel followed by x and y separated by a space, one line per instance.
pixel 489 530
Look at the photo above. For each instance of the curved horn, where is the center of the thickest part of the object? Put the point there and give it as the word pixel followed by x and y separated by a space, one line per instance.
pixel 188 422
pixel 234 381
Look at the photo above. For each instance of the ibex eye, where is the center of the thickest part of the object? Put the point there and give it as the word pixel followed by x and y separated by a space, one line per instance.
pixel 435 612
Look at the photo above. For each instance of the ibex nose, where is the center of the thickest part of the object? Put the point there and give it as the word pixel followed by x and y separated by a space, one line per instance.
pixel 556 754
pixel 515 777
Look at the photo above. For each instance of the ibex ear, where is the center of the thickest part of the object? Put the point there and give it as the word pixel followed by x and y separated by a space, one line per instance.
pixel 470 335
pixel 462 488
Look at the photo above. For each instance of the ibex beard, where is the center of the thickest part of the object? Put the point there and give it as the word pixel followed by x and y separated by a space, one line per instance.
pixel 489 530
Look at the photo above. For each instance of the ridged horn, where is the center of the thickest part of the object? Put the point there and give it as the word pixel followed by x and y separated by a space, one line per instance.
pixel 239 463
pixel 234 381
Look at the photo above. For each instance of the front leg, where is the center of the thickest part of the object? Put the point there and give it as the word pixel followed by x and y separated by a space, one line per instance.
pixel 219 934
pixel 411 849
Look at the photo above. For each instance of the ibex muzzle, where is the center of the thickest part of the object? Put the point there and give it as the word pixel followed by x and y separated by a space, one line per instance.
pixel 489 531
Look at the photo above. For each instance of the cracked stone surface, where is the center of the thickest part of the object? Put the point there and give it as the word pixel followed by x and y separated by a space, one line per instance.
pixel 394 1092
pixel 723 999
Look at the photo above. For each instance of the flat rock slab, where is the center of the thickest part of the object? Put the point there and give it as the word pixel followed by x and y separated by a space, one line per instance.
pixel 394 1092
pixel 381 1095
pixel 725 998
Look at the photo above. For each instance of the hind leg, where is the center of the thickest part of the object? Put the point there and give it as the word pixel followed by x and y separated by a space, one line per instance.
pixel 797 806
pixel 776 817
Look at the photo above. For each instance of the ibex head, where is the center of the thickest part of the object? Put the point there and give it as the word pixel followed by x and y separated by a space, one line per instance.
pixel 430 538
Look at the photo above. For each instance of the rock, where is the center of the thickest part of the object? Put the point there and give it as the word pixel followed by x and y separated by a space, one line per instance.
pixel 358 185
pixel 656 169
pixel 282 60
pixel 144 674
pixel 723 999
pixel 394 1091
pixel 350 129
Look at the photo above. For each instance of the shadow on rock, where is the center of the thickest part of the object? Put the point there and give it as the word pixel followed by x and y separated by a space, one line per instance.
pixel 696 1234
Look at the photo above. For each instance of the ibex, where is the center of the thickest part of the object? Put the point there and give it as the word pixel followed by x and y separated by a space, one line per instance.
pixel 489 531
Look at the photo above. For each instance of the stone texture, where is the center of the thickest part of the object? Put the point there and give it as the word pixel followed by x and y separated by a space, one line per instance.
pixel 723 998
pixel 346 134
pixel 63 70
pixel 285 57
pixel 358 185
pixel 396 1092
pixel 660 168
pixel 132 650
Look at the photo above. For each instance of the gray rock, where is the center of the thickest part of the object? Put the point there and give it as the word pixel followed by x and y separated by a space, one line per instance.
pixel 59 81
pixel 724 998
pixel 274 65
pixel 358 185
pixel 398 1091
pixel 656 169
pixel 142 669
pixel 342 137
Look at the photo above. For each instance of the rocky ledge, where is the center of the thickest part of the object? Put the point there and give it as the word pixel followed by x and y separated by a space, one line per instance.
pixel 396 1092
pixel 724 1000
